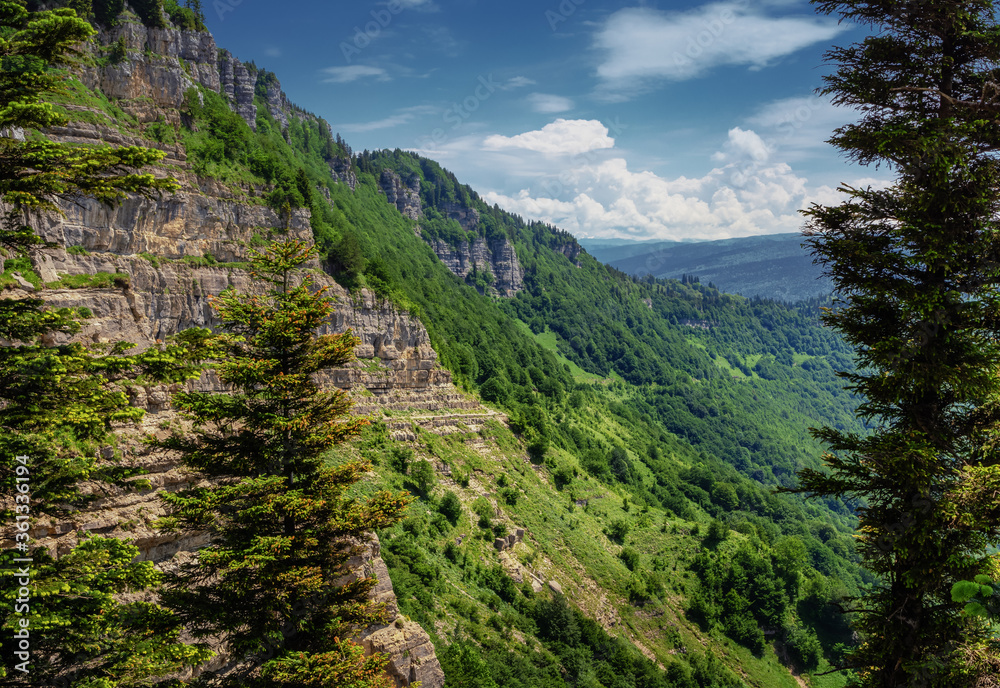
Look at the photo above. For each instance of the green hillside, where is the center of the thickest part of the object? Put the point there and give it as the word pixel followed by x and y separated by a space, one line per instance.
pixel 692 406
pixel 648 423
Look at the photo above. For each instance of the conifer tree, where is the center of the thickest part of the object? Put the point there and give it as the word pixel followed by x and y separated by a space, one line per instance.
pixel 917 268
pixel 271 585
pixel 60 404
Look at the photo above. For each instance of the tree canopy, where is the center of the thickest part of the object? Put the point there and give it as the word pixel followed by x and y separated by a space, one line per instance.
pixel 275 584
pixel 917 272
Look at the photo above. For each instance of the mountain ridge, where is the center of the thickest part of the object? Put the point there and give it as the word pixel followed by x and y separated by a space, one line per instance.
pixel 633 428
pixel 773 266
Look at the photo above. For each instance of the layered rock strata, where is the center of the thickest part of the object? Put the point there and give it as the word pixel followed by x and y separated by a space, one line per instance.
pixel 169 255
pixel 239 85
pixel 495 256
pixel 405 196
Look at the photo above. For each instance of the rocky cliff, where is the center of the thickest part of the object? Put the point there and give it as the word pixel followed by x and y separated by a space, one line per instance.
pixel 168 255
pixel 239 85
pixel 495 256
pixel 405 196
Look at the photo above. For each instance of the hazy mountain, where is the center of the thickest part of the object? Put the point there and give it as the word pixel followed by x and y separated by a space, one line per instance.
pixel 773 266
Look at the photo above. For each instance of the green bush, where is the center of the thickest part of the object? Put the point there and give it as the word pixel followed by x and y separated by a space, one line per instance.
pixel 630 558
pixel 617 530
pixel 422 477
pixel 400 458
pixel 804 648
pixel 450 507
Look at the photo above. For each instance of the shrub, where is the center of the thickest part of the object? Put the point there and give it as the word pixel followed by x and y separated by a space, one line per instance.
pixel 495 390
pixel 630 558
pixel 400 458
pixel 422 477
pixel 450 507
pixel 804 648
pixel 617 530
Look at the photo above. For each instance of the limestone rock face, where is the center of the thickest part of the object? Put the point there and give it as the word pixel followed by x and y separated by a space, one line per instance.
pixel 406 197
pixel 277 104
pixel 238 85
pixel 342 171
pixel 498 256
pixel 570 249
pixel 169 255
pixel 162 65
pixel 408 645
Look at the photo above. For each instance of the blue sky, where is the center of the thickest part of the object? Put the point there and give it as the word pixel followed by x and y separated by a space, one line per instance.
pixel 643 120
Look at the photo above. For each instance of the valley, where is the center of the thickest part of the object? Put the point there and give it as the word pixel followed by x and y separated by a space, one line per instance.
pixel 595 456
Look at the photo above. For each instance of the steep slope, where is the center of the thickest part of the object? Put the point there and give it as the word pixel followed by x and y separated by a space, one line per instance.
pixel 145 269
pixel 636 427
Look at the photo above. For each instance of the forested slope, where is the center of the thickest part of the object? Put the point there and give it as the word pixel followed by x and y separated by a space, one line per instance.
pixel 648 423
pixel 687 400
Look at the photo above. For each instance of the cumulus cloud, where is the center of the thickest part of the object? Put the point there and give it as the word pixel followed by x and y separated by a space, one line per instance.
pixel 562 137
pixel 549 104
pixel 749 188
pixel 743 144
pixel 608 199
pixel 642 44
pixel 343 75
pixel 747 193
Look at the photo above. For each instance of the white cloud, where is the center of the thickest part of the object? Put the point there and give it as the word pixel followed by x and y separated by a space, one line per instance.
pixel 593 191
pixel 403 116
pixel 549 104
pixel 608 199
pixel 272 51
pixel 422 5
pixel 343 75
pixel 562 137
pixel 641 43
pixel 517 82
pixel 743 143
pixel 800 126
pixel 747 193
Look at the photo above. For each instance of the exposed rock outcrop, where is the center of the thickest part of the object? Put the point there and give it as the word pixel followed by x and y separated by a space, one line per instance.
pixel 162 65
pixel 277 103
pixel 170 255
pixel 408 644
pixel 497 256
pixel 343 171
pixel 238 84
pixel 570 249
pixel 405 196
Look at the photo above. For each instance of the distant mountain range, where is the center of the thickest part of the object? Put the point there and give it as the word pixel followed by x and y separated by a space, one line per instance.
pixel 774 266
